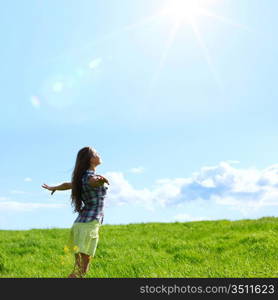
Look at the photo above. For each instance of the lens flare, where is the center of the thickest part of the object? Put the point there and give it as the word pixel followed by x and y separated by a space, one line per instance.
pixel 95 63
pixel 58 87
pixel 35 101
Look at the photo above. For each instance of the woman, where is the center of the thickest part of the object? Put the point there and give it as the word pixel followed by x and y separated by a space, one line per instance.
pixel 88 194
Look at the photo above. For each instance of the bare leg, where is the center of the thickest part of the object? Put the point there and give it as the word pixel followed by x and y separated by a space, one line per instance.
pixel 77 266
pixel 85 262
pixel 81 266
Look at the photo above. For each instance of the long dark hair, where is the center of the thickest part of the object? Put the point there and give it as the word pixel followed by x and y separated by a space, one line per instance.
pixel 82 164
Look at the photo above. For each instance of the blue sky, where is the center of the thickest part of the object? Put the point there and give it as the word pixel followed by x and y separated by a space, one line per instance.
pixel 181 106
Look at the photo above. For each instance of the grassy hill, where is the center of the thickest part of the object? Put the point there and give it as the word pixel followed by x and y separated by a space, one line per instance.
pixel 245 248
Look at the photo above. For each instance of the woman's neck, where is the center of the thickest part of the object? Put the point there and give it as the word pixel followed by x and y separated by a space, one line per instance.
pixel 92 169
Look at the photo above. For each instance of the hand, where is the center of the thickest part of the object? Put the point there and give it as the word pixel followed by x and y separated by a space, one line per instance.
pixel 50 188
pixel 103 178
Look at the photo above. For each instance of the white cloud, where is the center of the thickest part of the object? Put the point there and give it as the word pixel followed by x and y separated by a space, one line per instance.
pixel 17 192
pixel 187 217
pixel 233 161
pixel 137 170
pixel 244 190
pixel 26 206
pixel 121 191
pixel 4 198
pixel 223 184
pixel 28 179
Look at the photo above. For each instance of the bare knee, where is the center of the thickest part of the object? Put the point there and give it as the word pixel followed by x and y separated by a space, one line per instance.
pixel 85 257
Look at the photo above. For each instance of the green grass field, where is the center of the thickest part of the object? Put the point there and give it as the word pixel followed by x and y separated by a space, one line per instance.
pixel 245 248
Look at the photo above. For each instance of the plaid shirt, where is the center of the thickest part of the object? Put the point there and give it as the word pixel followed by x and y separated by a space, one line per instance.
pixel 93 200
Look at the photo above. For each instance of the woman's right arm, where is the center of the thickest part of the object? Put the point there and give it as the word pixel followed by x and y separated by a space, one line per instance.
pixel 61 187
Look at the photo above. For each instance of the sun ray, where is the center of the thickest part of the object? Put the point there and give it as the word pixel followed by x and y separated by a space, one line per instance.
pixel 164 54
pixel 183 11
pixel 129 27
pixel 141 23
pixel 205 52
pixel 179 12
pixel 224 20
pixel 108 36
pixel 188 11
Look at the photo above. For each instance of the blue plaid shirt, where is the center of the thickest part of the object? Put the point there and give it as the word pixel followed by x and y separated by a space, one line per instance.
pixel 93 200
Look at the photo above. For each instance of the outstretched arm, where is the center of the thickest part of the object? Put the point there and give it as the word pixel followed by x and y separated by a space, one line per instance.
pixel 97 180
pixel 61 187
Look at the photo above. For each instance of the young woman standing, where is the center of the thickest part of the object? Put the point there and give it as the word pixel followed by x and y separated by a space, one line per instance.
pixel 88 194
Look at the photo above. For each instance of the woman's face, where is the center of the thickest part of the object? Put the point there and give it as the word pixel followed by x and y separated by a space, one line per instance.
pixel 96 160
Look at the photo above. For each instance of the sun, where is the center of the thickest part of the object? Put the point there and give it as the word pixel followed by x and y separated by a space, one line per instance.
pixel 185 10
pixel 182 9
pixel 190 13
